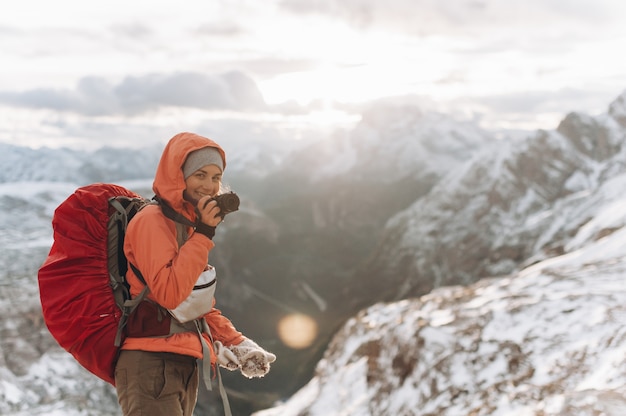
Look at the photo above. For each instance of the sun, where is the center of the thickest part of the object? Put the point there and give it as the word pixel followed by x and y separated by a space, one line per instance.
pixel 297 331
pixel 343 64
pixel 357 67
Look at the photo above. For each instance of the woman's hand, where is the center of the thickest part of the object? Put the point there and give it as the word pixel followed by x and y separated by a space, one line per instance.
pixel 209 211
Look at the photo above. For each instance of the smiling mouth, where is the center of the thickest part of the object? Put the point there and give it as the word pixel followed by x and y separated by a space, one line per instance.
pixel 195 197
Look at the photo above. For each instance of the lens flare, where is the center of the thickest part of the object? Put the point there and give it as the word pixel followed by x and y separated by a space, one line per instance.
pixel 297 330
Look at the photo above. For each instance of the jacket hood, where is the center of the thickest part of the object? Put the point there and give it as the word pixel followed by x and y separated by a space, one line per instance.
pixel 169 181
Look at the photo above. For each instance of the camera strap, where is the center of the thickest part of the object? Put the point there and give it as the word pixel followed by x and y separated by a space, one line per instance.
pixel 173 215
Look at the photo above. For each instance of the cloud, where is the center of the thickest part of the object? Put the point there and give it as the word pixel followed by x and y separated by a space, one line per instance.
pixel 409 16
pixel 430 17
pixel 269 67
pixel 95 96
pixel 562 101
pixel 132 31
pixel 220 28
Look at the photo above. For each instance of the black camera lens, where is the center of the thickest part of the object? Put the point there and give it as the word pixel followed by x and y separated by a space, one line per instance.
pixel 228 202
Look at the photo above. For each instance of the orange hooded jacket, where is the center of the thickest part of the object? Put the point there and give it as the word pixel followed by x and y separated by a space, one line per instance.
pixel 170 272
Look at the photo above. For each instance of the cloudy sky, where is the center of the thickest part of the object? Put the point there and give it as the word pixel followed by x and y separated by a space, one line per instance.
pixel 131 72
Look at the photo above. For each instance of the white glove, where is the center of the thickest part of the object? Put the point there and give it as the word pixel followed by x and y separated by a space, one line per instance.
pixel 253 360
pixel 225 357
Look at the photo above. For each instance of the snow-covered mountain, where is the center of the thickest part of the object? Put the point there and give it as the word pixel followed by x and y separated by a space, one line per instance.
pixel 406 202
pixel 247 156
pixel 394 141
pixel 515 203
pixel 21 164
pixel 549 340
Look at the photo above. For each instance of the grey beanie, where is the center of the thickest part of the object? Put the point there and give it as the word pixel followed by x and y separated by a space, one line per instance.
pixel 202 157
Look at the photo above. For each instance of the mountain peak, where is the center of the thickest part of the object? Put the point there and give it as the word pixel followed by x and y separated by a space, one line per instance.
pixel 617 109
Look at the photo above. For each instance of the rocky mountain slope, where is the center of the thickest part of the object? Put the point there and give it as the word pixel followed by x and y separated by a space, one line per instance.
pixel 517 202
pixel 549 340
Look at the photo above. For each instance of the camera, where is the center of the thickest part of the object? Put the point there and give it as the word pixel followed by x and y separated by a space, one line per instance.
pixel 227 203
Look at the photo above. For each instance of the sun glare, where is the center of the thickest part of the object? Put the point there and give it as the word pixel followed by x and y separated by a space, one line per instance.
pixel 356 67
pixel 297 331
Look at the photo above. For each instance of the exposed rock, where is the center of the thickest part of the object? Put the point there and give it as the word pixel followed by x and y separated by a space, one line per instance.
pixel 520 200
pixel 547 341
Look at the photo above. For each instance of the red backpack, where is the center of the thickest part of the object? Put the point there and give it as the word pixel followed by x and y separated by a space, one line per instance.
pixel 84 296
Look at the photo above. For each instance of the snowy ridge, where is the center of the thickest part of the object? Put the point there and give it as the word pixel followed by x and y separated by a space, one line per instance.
pixel 254 156
pixel 428 142
pixel 515 203
pixel 399 141
pixel 550 340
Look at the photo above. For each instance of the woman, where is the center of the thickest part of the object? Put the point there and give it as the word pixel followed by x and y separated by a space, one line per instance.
pixel 167 246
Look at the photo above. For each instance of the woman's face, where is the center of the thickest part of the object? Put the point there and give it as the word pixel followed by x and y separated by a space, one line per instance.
pixel 204 181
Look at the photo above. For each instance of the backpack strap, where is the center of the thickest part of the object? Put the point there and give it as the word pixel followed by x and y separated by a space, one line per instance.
pixel 129 307
pixel 117 225
pixel 203 327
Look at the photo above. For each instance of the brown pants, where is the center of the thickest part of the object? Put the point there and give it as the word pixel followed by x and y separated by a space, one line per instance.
pixel 156 383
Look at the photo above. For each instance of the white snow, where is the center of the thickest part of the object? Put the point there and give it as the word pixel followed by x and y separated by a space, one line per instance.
pixel 550 340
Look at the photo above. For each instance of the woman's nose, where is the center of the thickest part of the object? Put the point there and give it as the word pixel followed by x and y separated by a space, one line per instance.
pixel 210 187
